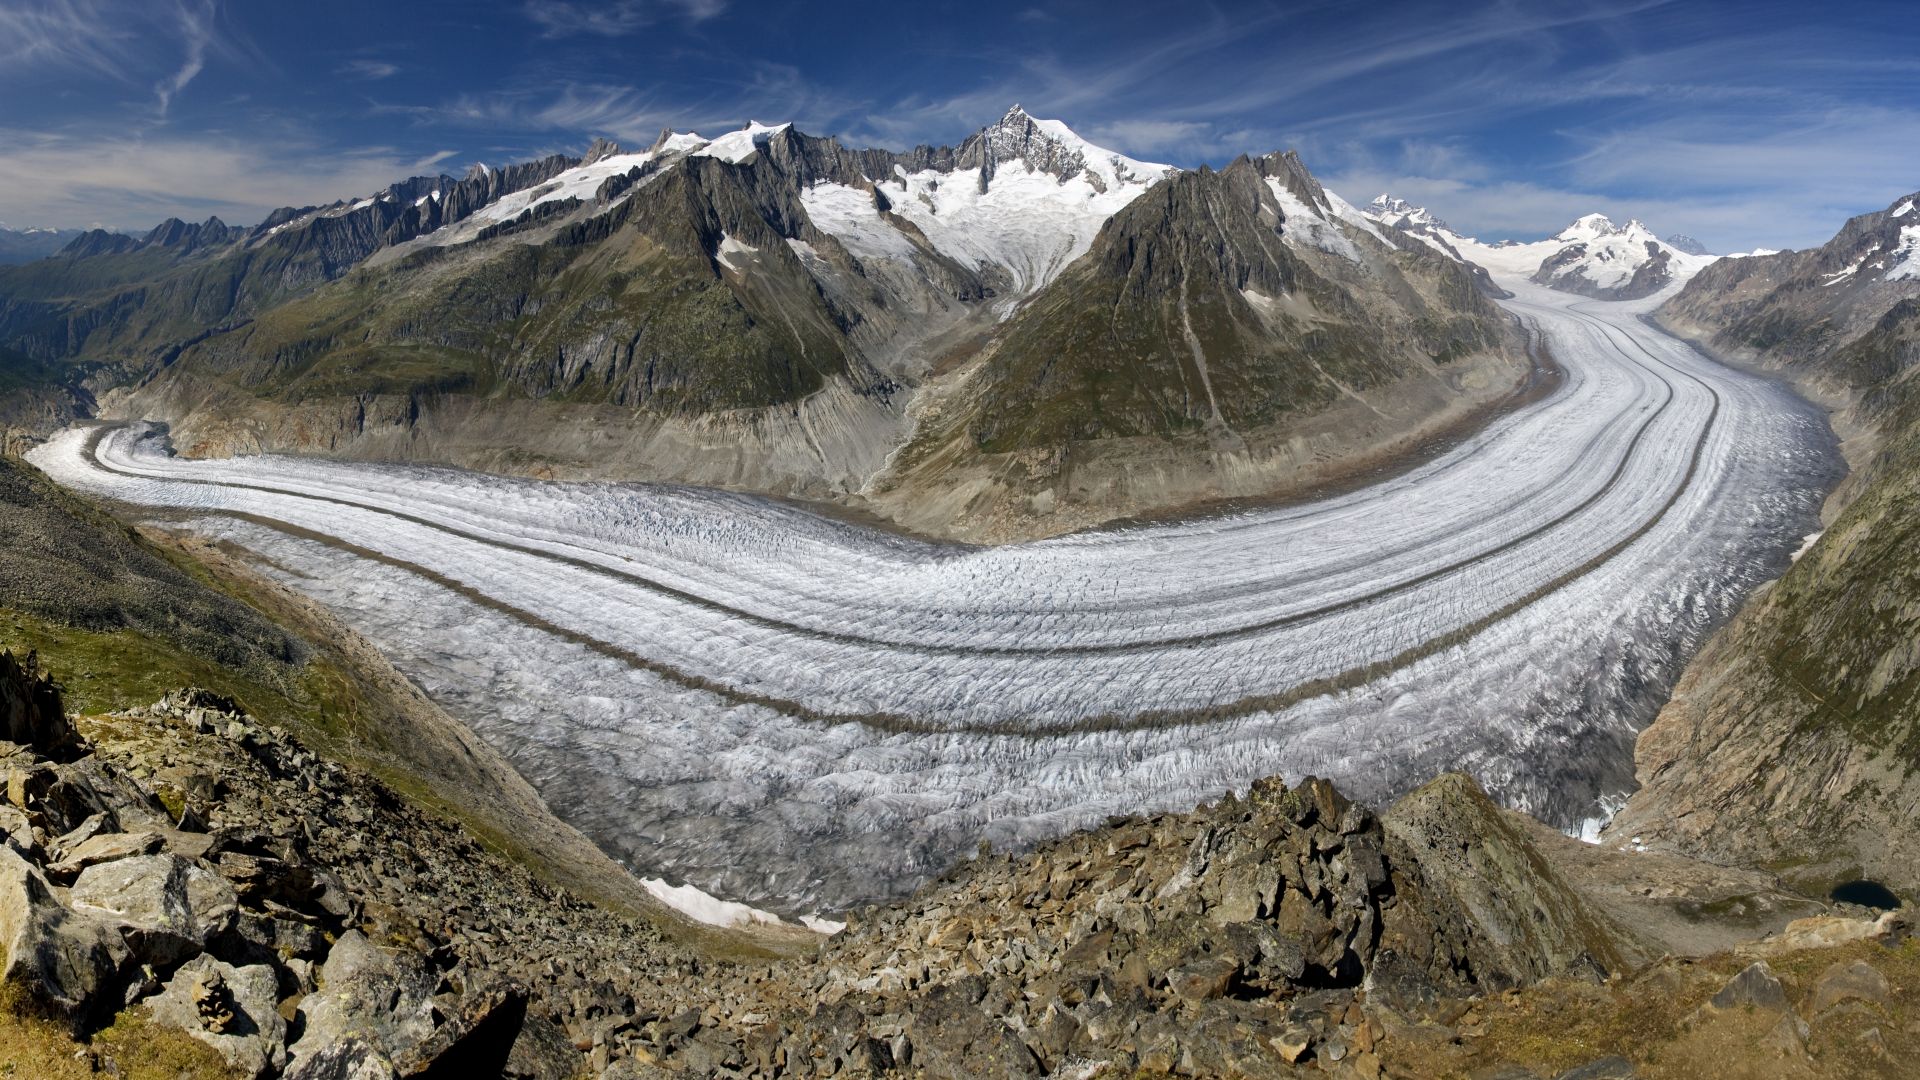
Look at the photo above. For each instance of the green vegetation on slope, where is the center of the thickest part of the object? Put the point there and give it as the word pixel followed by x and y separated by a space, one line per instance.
pixel 1192 308
pixel 631 309
pixel 1794 738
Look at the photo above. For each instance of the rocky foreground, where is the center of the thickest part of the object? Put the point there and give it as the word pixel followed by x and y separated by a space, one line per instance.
pixel 182 876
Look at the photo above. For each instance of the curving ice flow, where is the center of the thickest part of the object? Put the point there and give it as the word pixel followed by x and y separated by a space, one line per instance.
pixel 799 713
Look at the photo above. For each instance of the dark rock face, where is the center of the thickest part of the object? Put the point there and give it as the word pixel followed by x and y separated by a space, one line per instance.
pixel 1489 909
pixel 30 710
pixel 99 242
pixel 1683 243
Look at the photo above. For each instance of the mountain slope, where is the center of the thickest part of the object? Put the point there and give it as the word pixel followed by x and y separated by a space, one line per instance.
pixel 1794 738
pixel 114 300
pixel 759 309
pixel 1226 333
pixel 677 326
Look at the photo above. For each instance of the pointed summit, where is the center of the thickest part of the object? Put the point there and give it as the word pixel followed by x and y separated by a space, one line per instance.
pixel 1050 146
pixel 600 150
pixel 1683 243
pixel 1397 213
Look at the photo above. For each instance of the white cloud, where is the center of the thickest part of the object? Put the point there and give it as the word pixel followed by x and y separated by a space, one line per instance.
pixel 57 179
pixel 614 18
pixel 164 42
pixel 197 34
pixel 370 70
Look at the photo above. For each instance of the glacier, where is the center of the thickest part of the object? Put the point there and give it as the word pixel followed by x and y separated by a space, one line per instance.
pixel 794 712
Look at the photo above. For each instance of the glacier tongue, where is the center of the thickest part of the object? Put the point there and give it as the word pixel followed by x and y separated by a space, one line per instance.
pixel 800 714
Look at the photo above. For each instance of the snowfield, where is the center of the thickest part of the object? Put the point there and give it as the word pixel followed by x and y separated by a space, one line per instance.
pixel 801 714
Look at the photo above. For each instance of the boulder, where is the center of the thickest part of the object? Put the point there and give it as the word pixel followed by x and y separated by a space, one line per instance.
pixel 1818 932
pixel 231 1009
pixel 1857 981
pixel 347 1059
pixel 367 996
pixel 476 1039
pixel 103 848
pixel 1479 900
pixel 1755 987
pixel 1203 979
pixel 167 907
pixel 104 822
pixel 64 963
pixel 541 1051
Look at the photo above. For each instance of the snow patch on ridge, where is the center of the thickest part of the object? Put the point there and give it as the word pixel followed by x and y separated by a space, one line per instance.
pixel 1307 224
pixel 738 146
pixel 848 214
pixel 581 182
pixel 1906 257
pixel 732 251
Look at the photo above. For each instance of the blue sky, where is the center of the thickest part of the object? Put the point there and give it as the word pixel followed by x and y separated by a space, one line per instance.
pixel 1741 123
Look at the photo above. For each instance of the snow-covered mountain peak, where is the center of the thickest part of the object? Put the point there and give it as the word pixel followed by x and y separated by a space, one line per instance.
pixel 1019 200
pixel 1395 212
pixel 1683 243
pixel 600 149
pixel 737 146
pixel 675 142
pixel 1052 147
pixel 1589 227
pixel 1593 256
pixel 1598 226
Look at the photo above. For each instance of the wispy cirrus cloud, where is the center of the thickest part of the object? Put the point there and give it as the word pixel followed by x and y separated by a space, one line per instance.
pixel 40 34
pixel 766 92
pixel 1755 123
pixel 165 41
pixel 369 70
pixel 196 24
pixel 614 18
pixel 134 183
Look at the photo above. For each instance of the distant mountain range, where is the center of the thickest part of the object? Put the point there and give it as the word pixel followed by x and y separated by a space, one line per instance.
pixel 25 245
pixel 1043 331
pixel 1592 256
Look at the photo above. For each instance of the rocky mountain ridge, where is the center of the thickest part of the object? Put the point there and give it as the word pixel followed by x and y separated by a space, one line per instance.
pixel 779 312
pixel 1238 313
pixel 1792 738
pixel 182 870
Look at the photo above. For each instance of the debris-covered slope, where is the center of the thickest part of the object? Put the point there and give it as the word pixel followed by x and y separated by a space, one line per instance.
pixel 1794 738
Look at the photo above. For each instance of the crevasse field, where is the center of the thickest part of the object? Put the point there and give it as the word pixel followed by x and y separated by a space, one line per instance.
pixel 802 714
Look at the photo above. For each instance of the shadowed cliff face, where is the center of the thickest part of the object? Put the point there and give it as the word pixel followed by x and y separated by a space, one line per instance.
pixel 1794 739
